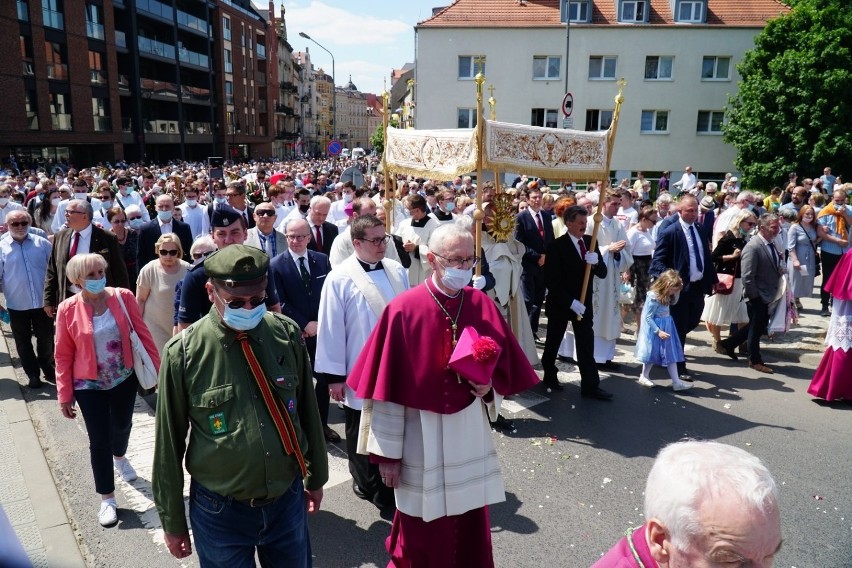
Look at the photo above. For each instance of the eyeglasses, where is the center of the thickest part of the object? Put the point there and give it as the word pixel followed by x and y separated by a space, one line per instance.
pixel 118 221
pixel 197 255
pixel 72 212
pixel 297 238
pixel 459 262
pixel 237 304
pixel 264 213
pixel 17 224
pixel 133 219
pixel 378 241
pixel 172 252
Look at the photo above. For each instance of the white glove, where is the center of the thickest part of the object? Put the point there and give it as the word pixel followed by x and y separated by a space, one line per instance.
pixel 591 258
pixel 478 282
pixel 577 307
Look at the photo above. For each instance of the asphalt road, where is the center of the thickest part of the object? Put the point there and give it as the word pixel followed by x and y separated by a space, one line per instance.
pixel 574 471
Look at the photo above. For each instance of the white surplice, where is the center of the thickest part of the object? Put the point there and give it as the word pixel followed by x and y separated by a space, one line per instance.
pixel 419 270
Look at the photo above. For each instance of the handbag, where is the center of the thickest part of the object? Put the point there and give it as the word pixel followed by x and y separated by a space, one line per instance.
pixel 725 285
pixel 144 367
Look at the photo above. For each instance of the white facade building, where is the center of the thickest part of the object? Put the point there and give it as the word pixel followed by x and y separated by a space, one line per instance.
pixel 679 71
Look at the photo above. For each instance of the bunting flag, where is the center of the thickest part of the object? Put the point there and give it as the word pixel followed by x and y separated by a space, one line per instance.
pixel 436 154
pixel 551 153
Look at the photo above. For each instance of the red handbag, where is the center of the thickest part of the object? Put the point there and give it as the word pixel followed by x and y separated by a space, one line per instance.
pixel 725 285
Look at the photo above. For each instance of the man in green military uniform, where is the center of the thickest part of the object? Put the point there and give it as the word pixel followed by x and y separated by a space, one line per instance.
pixel 238 382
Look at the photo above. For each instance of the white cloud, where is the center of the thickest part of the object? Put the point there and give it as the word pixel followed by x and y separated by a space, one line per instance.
pixel 328 24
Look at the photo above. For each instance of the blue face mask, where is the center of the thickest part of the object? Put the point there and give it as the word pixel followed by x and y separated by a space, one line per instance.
pixel 450 206
pixel 164 216
pixel 242 319
pixel 135 223
pixel 96 286
pixel 221 200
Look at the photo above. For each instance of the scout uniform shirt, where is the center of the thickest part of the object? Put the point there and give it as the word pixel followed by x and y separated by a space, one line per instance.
pixel 234 448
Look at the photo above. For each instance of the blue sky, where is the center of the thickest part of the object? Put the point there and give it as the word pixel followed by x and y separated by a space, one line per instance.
pixel 367 37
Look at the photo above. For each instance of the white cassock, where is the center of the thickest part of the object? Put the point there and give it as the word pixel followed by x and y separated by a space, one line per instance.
pixel 605 307
pixel 419 270
pixel 343 247
pixel 337 215
pixel 504 262
pixel 347 315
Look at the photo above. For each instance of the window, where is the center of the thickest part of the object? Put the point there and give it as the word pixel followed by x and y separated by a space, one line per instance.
pixel 23 11
pixel 655 121
pixel 546 66
pixel 690 11
pixel 97 69
pixel 31 107
pixel 229 92
pixel 229 64
pixel 658 67
pixel 51 11
pixel 710 121
pixel 467 118
pixel 715 67
pixel 27 55
pixel 576 11
pixel 57 61
pixel 60 117
pixel 602 67
pixel 470 65
pixel 94 22
pixel 544 117
pixel 632 11
pixel 226 28
pixel 100 113
pixel 597 119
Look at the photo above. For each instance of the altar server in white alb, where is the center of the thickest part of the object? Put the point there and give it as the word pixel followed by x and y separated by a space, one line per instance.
pixel 355 293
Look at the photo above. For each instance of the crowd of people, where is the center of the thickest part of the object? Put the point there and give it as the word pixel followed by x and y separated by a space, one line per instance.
pixel 204 270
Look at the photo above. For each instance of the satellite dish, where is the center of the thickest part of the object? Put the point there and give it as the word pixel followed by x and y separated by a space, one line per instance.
pixel 354 175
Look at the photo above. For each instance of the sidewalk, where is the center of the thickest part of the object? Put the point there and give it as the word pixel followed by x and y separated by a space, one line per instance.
pixel 28 492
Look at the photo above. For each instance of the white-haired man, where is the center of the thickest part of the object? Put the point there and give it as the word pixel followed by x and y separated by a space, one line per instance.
pixel 706 504
pixel 745 200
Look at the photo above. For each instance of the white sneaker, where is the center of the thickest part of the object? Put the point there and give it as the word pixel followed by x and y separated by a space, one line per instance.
pixel 645 382
pixel 107 515
pixel 125 470
pixel 681 386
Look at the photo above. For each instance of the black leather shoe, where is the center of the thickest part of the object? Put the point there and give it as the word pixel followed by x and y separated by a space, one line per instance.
pixel 359 493
pixel 35 383
pixel 330 435
pixel 538 340
pixel 552 383
pixel 565 359
pixel 728 350
pixel 598 394
pixel 610 366
pixel 504 424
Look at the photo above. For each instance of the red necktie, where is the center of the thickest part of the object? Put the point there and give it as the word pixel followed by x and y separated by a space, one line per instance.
pixel 540 226
pixel 74 245
pixel 582 247
pixel 318 237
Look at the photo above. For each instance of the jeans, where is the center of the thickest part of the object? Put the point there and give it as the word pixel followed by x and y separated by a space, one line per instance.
pixel 227 532
pixel 108 415
pixel 25 325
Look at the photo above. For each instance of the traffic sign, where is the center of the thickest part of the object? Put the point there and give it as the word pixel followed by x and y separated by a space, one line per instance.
pixel 567 104
pixel 335 147
pixel 354 175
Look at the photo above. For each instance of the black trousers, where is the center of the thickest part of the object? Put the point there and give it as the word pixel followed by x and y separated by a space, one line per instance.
pixel 829 263
pixel 25 325
pixel 321 389
pixel 533 288
pixel 365 474
pixel 584 341
pixel 687 314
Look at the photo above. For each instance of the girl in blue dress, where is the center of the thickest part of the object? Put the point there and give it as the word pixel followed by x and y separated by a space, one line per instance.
pixel 658 342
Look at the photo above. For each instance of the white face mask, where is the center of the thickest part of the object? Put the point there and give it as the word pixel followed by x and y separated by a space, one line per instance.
pixel 456 278
pixel 191 202
pixel 4 201
pixel 55 201
pixel 80 195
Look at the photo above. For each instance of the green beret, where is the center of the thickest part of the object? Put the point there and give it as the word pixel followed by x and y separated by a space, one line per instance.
pixel 237 265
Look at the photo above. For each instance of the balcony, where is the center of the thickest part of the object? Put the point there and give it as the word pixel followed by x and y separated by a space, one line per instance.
pixel 97 77
pixel 155 47
pixel 23 15
pixel 126 124
pixel 27 68
pixel 156 8
pixel 193 58
pixel 150 87
pixel 194 23
pixel 190 128
pixel 102 123
pixel 123 84
pixel 195 93
pixel 95 31
pixel 61 121
pixel 32 121
pixel 284 109
pixel 289 87
pixel 202 128
pixel 53 19
pixel 285 135
pixel 120 39
pixel 57 71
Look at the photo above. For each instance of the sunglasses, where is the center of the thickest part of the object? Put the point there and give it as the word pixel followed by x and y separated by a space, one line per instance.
pixel 17 224
pixel 237 304
pixel 264 213
pixel 133 218
pixel 197 255
pixel 164 252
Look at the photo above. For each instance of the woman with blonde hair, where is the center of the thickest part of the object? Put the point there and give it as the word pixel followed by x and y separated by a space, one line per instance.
pixel 155 287
pixel 94 368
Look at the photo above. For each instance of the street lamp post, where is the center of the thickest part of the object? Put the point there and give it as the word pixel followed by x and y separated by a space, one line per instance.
pixel 333 88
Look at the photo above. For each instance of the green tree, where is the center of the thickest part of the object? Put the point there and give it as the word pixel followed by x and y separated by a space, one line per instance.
pixel 793 110
pixel 377 140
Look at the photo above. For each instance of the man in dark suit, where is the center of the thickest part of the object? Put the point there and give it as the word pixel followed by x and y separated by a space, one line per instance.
pixel 564 272
pixel 320 228
pixel 535 231
pixel 683 247
pixel 298 275
pixel 762 270
pixel 79 238
pixel 163 224
pixel 236 195
pixel 704 222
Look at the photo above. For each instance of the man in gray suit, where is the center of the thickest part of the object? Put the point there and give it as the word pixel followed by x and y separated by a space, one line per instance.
pixel 762 270
pixel 263 235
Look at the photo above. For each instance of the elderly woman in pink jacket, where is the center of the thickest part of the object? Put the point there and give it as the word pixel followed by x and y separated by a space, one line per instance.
pixel 94 368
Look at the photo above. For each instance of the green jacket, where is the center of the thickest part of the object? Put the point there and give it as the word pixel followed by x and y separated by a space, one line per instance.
pixel 207 390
